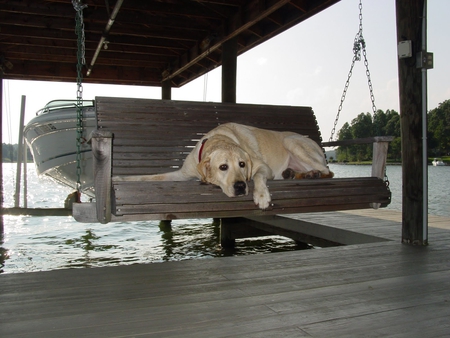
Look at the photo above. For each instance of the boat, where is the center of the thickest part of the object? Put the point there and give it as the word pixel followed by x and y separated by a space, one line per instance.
pixel 52 139
pixel 437 162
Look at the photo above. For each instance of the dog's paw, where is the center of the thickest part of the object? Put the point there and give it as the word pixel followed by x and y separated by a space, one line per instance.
pixel 261 197
pixel 313 174
pixel 288 174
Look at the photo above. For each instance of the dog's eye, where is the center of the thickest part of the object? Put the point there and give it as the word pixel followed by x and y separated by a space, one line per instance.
pixel 223 167
pixel 242 164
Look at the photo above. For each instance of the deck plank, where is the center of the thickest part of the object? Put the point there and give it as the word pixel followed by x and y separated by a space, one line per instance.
pixel 376 289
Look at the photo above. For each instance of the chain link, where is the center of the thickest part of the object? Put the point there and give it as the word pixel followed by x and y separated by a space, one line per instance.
pixel 81 61
pixel 359 45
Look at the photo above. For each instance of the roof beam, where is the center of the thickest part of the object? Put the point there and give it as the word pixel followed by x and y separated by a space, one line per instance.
pixel 255 11
pixel 126 75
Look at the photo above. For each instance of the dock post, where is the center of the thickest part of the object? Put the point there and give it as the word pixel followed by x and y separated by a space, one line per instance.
pixel 165 225
pixel 166 90
pixel 1 155
pixel 227 240
pixel 410 25
pixel 20 153
pixel 25 174
pixel 229 69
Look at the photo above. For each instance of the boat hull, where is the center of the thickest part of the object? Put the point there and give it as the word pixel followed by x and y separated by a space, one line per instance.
pixel 438 163
pixel 52 139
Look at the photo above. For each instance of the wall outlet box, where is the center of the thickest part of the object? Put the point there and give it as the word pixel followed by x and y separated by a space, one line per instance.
pixel 404 49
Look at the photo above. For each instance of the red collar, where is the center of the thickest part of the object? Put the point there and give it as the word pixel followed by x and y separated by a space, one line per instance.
pixel 201 150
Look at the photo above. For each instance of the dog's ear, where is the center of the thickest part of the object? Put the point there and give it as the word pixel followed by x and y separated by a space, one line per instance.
pixel 203 168
pixel 249 166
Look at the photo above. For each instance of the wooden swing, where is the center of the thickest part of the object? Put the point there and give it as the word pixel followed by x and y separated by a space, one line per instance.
pixel 143 136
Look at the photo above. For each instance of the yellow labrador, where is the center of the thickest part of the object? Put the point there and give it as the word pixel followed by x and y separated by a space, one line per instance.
pixel 232 154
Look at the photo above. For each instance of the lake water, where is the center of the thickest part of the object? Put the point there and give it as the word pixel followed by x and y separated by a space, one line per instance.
pixel 48 243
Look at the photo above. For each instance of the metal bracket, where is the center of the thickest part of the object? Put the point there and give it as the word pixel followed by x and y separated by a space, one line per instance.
pixel 424 60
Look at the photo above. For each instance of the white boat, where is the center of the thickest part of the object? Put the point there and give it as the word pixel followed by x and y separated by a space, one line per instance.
pixel 52 139
pixel 437 162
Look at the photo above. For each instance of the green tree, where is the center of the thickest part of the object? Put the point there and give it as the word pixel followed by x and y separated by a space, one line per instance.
pixel 9 153
pixel 392 125
pixel 364 125
pixel 344 153
pixel 439 129
pixel 388 124
pixel 380 120
pixel 392 128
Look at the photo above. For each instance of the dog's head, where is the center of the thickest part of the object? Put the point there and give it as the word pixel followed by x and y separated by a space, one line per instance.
pixel 227 167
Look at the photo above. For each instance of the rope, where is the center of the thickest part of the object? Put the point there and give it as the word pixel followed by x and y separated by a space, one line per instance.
pixel 359 45
pixel 81 61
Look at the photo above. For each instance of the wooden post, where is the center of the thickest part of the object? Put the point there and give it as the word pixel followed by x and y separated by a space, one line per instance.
pixel 102 153
pixel 19 153
pixel 166 90
pixel 165 225
pixel 1 156
pixel 229 68
pixel 409 27
pixel 227 240
pixel 379 163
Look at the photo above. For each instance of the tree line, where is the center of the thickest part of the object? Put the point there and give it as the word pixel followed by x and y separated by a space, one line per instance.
pixel 388 124
pixel 10 151
pixel 364 125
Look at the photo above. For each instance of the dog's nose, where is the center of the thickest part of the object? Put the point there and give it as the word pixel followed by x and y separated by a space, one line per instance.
pixel 239 188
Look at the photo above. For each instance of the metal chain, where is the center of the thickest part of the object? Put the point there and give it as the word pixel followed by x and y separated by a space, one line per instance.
pixel 358 45
pixel 81 61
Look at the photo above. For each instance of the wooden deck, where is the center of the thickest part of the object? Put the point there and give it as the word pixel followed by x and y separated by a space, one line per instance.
pixel 366 290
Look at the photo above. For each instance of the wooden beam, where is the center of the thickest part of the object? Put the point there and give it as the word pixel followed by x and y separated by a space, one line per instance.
pixel 409 27
pixel 166 90
pixel 364 140
pixel 229 70
pixel 254 11
pixel 102 154
pixel 67 72
pixel 1 153
pixel 37 211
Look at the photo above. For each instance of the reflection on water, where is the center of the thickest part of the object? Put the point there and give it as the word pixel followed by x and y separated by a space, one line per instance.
pixel 48 243
pixel 36 243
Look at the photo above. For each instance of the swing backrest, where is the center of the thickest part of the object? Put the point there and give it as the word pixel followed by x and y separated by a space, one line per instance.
pixel 153 136
pixel 150 136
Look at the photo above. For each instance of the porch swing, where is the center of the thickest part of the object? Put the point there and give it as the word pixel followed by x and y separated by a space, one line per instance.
pixel 146 136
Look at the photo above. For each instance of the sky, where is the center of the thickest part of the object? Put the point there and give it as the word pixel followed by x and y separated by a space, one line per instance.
pixel 304 66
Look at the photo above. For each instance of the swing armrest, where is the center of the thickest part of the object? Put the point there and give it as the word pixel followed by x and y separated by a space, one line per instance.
pixel 102 155
pixel 380 148
pixel 364 140
pixel 100 210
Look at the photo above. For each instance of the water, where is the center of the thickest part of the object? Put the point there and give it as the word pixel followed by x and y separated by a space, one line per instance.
pixel 438 185
pixel 48 243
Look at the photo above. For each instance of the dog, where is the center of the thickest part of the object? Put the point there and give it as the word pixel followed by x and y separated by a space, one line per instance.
pixel 232 154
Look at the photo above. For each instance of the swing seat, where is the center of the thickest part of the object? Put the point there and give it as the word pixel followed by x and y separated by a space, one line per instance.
pixel 144 136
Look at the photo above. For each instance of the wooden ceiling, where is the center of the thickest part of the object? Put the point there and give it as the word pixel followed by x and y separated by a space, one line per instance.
pixel 150 41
